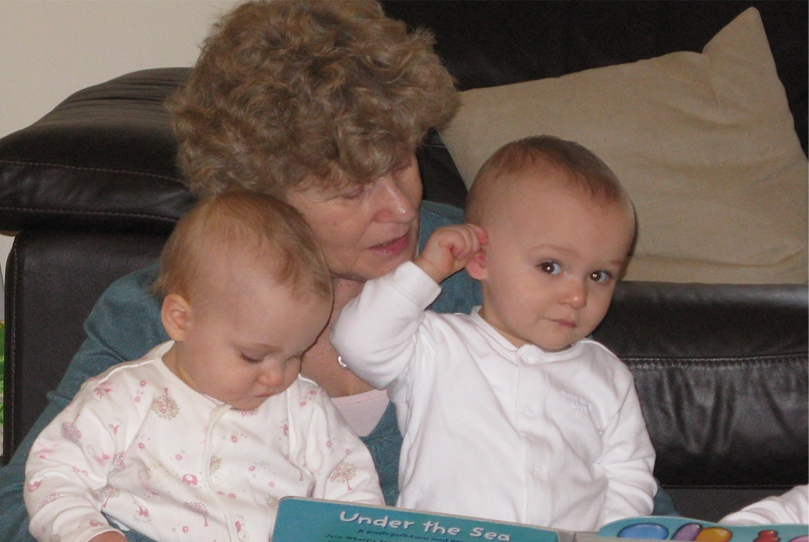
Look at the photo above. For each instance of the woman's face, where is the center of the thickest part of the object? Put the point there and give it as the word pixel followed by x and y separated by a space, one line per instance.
pixel 365 230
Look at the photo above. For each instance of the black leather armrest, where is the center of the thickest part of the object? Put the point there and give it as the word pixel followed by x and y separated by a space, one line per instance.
pixel 53 281
pixel 721 371
pixel 103 159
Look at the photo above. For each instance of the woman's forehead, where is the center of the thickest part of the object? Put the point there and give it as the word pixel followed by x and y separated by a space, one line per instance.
pixel 336 180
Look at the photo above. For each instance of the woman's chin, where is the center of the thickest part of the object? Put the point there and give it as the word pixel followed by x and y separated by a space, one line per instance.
pixel 387 256
pixel 393 264
pixel 374 264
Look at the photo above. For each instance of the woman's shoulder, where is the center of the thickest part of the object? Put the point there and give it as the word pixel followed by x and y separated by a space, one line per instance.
pixel 434 215
pixel 125 321
pixel 131 291
pixel 136 285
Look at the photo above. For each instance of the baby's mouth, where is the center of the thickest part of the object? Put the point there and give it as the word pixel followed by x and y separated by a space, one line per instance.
pixel 565 323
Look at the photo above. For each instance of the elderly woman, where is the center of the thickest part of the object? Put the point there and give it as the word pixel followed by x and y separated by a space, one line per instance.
pixel 322 104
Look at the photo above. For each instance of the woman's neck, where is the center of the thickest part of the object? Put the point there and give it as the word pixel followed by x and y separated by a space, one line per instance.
pixel 320 361
pixel 344 291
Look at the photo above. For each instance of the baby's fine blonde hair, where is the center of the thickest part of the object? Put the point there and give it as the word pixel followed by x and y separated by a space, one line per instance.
pixel 583 170
pixel 271 233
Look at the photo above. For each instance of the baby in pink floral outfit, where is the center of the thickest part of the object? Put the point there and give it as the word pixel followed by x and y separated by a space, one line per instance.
pixel 200 438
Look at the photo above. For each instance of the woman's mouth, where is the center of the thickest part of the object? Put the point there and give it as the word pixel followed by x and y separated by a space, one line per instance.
pixel 394 247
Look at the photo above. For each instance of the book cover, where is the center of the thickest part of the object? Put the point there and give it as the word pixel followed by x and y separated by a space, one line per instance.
pixel 311 520
pixel 686 529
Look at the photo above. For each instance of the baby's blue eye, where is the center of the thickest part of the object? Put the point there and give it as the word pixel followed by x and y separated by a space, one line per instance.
pixel 551 268
pixel 600 276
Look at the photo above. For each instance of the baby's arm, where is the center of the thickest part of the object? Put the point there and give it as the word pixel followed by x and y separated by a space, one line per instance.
pixel 628 461
pixel 346 470
pixel 790 507
pixel 109 536
pixel 449 249
pixel 375 331
pixel 68 462
pixel 124 324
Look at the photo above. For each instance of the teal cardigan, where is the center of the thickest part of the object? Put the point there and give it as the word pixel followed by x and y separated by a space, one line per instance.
pixel 125 324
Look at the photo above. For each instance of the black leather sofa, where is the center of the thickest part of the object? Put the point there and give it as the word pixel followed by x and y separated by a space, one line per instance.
pixel 721 369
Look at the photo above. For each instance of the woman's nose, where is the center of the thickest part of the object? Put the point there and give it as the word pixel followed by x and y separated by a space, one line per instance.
pixel 393 201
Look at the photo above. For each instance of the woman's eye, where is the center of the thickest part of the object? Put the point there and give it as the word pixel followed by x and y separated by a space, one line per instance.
pixel 551 268
pixel 600 276
pixel 355 193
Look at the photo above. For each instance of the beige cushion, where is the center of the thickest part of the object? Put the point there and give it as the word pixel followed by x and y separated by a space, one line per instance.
pixel 705 144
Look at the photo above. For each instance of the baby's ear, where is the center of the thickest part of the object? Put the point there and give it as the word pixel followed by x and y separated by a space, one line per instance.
pixel 476 267
pixel 176 316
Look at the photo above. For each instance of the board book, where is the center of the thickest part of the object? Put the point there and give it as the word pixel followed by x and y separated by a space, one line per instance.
pixel 311 520
pixel 686 529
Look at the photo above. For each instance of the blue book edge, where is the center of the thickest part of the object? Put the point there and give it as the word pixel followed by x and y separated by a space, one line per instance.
pixel 312 520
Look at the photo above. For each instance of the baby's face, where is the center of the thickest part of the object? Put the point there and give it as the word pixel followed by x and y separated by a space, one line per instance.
pixel 246 344
pixel 552 261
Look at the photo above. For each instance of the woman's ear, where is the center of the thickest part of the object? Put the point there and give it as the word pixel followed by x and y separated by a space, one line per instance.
pixel 176 316
pixel 476 267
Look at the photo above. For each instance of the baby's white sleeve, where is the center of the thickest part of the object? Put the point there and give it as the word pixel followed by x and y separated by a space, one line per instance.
pixel 61 478
pixel 791 507
pixel 342 464
pixel 629 458
pixel 375 331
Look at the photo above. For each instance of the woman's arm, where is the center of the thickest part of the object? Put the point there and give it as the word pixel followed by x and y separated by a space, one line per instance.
pixel 123 325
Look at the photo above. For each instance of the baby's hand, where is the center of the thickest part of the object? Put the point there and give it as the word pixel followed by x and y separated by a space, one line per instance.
pixel 449 249
pixel 109 536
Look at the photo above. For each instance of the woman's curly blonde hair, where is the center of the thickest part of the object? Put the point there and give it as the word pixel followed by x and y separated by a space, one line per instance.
pixel 287 93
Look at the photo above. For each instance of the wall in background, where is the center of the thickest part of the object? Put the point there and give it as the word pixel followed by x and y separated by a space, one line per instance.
pixel 52 48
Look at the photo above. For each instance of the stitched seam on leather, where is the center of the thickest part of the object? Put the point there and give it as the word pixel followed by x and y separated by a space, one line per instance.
pixel 713 363
pixel 727 486
pixel 88 213
pixel 86 168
